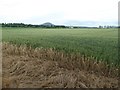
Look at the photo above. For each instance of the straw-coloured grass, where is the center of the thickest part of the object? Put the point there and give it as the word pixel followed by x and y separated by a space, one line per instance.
pixel 47 68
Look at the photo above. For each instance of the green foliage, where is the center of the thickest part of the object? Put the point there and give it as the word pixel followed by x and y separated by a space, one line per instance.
pixel 22 25
pixel 99 43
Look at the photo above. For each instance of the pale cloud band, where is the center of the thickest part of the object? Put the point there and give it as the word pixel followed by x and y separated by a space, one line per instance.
pixel 59 11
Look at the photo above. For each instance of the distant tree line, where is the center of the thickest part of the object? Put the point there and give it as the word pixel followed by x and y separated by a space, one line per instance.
pixel 16 25
pixel 108 27
pixel 47 26
pixel 30 25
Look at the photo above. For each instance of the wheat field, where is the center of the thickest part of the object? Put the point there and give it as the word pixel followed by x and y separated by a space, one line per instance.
pixel 99 43
pixel 27 67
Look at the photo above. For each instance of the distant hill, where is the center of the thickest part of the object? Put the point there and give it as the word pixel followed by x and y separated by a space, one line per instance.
pixel 47 24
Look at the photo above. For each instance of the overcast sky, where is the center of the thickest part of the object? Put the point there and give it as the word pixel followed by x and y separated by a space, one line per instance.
pixel 63 12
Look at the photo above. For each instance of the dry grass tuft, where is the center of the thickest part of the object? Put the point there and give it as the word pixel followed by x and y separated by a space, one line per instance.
pixel 47 68
pixel 10 82
pixel 71 61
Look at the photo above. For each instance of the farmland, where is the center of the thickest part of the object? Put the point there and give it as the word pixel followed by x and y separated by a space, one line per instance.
pixel 99 43
pixel 59 58
pixel 25 67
